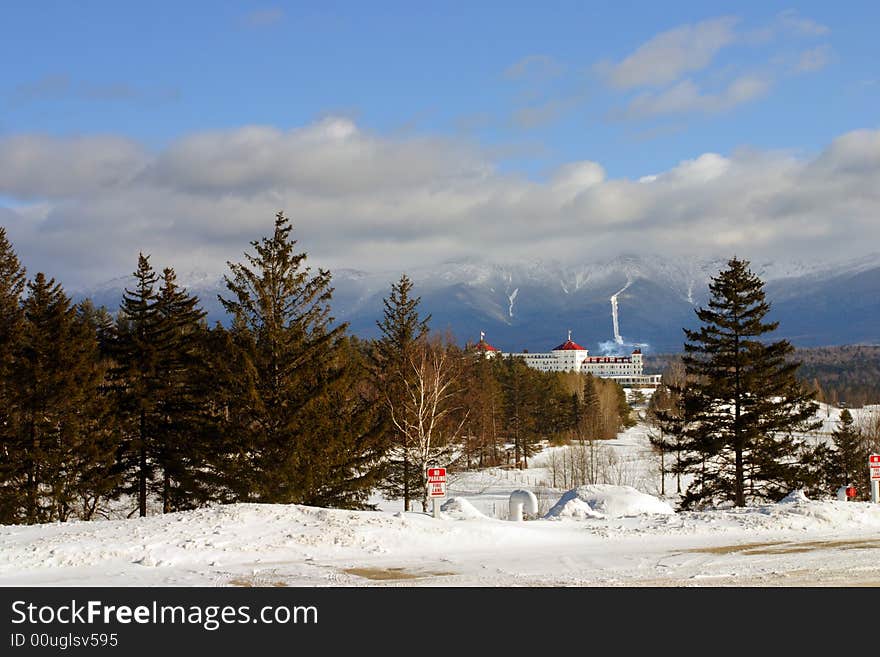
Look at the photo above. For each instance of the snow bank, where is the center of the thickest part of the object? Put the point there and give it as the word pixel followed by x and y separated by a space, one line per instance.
pixel 459 508
pixel 606 501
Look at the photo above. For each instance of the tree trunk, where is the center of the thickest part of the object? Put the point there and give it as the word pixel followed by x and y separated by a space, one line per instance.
pixel 662 467
pixel 406 492
pixel 166 493
pixel 142 469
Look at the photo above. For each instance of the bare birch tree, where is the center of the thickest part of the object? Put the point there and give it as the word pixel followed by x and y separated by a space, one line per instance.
pixel 429 412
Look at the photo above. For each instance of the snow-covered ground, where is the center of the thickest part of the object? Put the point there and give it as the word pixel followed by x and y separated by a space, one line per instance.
pixel 608 535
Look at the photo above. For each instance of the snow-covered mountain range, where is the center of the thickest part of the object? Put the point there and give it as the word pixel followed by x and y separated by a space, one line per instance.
pixel 532 305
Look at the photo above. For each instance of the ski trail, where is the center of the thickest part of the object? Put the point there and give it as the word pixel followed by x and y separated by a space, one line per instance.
pixel 617 338
pixel 512 298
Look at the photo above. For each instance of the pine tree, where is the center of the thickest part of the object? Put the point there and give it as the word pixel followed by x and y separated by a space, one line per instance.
pixel 744 402
pixel 401 328
pixel 140 349
pixel 591 418
pixel 483 397
pixel 95 459
pixel 291 373
pixel 182 397
pixel 520 411
pixel 849 456
pixel 348 440
pixel 59 374
pixel 12 285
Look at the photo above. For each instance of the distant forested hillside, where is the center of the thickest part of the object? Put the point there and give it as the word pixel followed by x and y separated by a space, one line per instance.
pixel 848 374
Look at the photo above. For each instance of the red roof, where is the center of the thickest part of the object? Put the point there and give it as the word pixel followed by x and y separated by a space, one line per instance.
pixel 482 345
pixel 637 351
pixel 568 345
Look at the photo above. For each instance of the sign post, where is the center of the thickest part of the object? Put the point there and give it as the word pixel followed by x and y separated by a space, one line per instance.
pixel 436 487
pixel 874 468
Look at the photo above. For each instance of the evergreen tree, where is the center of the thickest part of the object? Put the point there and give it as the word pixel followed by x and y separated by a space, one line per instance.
pixel 743 401
pixel 95 459
pixel 59 374
pixel 401 328
pixel 520 385
pixel 483 398
pixel 182 397
pixel 591 417
pixel 290 445
pixel 12 285
pixel 140 350
pixel 348 439
pixel 850 455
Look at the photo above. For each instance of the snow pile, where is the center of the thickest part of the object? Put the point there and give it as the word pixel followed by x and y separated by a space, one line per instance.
pixel 574 508
pixel 460 509
pixel 794 497
pixel 606 501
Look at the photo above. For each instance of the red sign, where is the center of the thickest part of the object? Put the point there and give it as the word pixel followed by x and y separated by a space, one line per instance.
pixel 874 466
pixel 436 475
pixel 436 482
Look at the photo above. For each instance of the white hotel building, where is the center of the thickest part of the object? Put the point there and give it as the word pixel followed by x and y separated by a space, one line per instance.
pixel 571 357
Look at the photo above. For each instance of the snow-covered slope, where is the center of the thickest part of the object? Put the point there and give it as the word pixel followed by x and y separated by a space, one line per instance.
pixel 791 543
pixel 533 304
pixel 620 534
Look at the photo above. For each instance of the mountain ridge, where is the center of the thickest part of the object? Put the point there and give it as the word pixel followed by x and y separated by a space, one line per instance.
pixel 531 305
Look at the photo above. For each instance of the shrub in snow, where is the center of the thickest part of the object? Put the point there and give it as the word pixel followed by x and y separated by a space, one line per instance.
pixel 606 501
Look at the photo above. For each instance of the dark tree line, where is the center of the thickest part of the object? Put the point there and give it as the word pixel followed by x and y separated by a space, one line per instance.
pixel 150 406
pixel 846 374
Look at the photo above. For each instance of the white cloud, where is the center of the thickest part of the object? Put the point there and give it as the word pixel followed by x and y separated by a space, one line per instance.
pixel 686 97
pixel 814 59
pixel 534 66
pixel 544 113
pixel 670 55
pixel 792 21
pixel 37 166
pixel 362 200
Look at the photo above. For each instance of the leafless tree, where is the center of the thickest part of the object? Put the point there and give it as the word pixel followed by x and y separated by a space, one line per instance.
pixel 430 414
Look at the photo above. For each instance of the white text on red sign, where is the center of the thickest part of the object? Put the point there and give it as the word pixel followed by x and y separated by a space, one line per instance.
pixel 436 475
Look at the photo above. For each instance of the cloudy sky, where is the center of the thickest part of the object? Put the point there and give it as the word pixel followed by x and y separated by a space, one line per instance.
pixel 396 134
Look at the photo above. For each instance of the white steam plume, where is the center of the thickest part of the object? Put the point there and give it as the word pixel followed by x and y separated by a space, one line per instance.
pixel 617 338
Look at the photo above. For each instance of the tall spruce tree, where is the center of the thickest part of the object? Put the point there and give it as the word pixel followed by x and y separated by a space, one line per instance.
pixel 743 402
pixel 401 328
pixel 521 410
pixel 96 457
pixel 182 397
pixel 140 351
pixel 483 399
pixel 12 285
pixel 291 406
pixel 59 374
pixel 849 456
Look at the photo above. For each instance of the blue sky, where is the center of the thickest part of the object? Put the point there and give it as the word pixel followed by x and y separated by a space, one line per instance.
pixel 520 92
